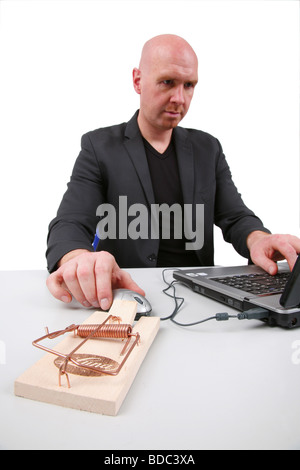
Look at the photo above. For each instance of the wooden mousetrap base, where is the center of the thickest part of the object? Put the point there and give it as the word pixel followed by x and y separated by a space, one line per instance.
pixel 99 394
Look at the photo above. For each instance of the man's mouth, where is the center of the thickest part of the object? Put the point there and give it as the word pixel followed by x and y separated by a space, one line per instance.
pixel 173 113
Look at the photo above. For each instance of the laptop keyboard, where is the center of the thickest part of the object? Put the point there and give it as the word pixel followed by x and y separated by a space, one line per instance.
pixel 257 284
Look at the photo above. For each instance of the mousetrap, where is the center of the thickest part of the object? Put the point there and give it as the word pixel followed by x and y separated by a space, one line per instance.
pixel 94 365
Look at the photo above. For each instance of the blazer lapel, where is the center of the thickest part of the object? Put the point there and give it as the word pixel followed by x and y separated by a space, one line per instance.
pixel 135 147
pixel 185 158
pixel 136 150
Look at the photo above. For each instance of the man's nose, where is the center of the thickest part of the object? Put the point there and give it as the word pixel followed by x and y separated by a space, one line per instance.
pixel 178 95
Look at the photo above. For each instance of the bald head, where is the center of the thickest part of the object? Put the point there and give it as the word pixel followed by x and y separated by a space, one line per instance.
pixel 169 47
pixel 165 81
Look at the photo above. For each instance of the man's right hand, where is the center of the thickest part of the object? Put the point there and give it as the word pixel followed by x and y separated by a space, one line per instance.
pixel 89 277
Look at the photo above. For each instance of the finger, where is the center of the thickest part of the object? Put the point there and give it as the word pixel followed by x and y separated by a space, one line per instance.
pixel 265 263
pixel 292 251
pixel 104 267
pixel 57 288
pixel 71 280
pixel 286 247
pixel 86 279
pixel 291 257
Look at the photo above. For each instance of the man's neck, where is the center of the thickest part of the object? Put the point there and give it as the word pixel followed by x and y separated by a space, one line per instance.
pixel 159 139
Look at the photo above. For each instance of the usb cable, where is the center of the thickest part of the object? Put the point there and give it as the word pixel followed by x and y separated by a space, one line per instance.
pixel 251 314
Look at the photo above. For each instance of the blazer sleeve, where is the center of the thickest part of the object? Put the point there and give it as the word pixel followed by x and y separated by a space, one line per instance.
pixel 234 218
pixel 75 224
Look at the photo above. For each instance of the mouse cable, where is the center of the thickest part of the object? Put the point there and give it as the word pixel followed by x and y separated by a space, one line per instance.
pixel 178 302
pixel 251 314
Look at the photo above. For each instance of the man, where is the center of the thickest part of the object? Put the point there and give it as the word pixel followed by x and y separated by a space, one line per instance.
pixel 150 160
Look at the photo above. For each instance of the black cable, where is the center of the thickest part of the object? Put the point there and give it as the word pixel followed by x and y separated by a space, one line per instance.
pixel 173 296
pixel 179 305
pixel 251 314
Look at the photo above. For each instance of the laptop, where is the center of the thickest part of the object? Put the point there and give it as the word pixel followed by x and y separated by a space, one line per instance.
pixel 247 287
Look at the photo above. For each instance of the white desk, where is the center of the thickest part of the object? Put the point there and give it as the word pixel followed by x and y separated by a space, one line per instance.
pixel 219 385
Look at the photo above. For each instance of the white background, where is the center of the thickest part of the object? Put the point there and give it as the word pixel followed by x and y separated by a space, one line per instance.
pixel 66 69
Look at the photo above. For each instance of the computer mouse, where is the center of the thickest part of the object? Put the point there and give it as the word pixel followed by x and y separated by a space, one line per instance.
pixel 143 305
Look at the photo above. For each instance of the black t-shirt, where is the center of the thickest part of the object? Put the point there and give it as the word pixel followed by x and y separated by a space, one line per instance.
pixel 167 189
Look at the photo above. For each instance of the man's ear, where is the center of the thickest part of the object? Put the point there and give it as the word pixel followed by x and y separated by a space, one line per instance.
pixel 136 76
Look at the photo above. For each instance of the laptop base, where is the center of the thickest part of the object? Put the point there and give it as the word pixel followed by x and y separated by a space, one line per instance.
pixel 282 319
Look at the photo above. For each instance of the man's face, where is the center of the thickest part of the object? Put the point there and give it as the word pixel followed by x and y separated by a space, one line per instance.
pixel 166 86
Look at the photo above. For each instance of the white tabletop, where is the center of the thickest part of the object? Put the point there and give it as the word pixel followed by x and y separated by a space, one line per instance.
pixel 218 385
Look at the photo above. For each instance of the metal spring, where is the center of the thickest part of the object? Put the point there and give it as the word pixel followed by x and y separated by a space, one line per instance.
pixel 106 331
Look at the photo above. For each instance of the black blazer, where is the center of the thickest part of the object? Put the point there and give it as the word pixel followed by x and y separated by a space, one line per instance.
pixel 113 163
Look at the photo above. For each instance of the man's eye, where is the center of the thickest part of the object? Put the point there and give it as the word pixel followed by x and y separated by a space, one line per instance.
pixel 167 82
pixel 188 85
